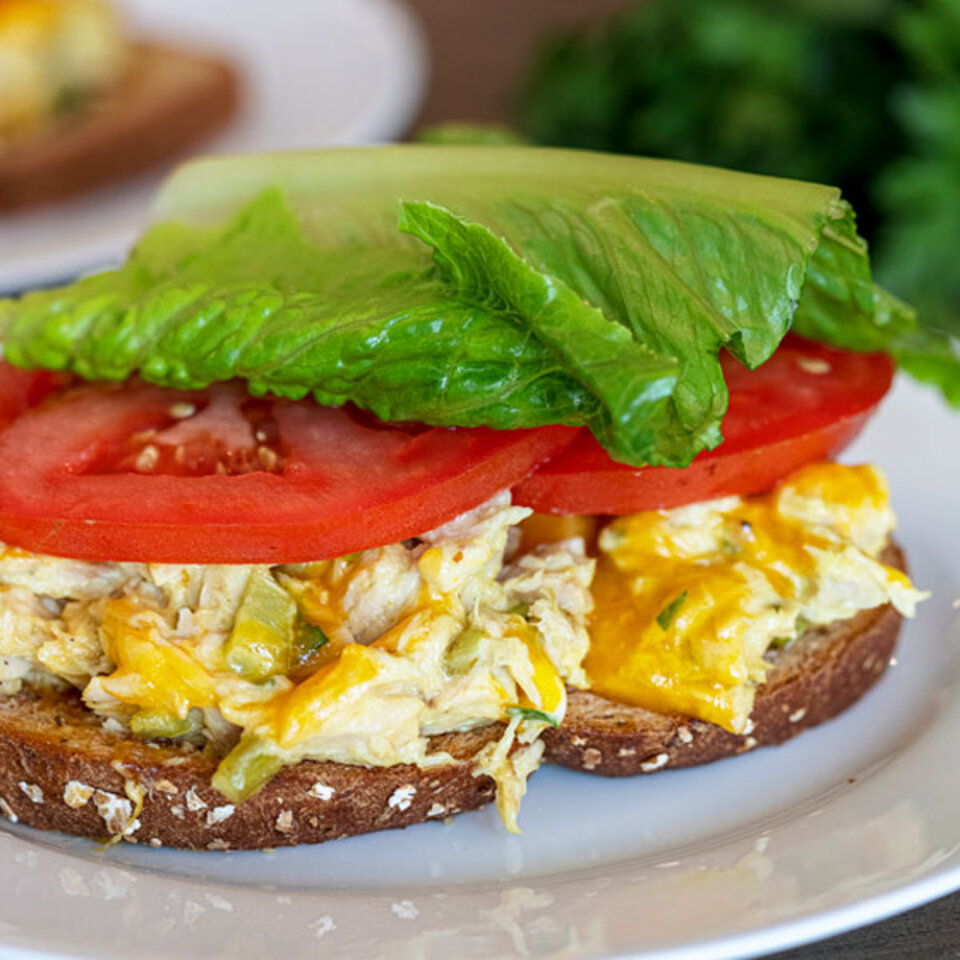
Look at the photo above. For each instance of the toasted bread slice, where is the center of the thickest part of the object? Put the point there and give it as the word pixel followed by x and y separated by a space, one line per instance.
pixel 60 769
pixel 818 676
pixel 168 100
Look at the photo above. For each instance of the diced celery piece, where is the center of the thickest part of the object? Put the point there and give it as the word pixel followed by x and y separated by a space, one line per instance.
pixel 157 724
pixel 261 642
pixel 251 764
pixel 464 650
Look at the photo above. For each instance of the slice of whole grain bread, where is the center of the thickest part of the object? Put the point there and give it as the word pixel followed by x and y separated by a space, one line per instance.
pixel 167 102
pixel 818 676
pixel 60 769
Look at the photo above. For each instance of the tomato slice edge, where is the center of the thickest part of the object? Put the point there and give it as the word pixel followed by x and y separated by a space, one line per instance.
pixel 51 503
pixel 583 479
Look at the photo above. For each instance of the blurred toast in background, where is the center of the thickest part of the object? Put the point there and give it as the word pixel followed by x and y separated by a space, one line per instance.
pixel 167 101
pixel 82 104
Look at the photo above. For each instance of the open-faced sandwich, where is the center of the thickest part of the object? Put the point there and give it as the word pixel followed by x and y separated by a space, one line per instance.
pixel 82 105
pixel 377 477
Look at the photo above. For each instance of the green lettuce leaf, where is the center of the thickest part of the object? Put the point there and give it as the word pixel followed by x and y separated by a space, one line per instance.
pixel 841 306
pixel 505 286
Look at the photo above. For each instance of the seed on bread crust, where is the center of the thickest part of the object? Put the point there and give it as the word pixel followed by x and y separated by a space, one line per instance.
pixel 655 763
pixel 31 791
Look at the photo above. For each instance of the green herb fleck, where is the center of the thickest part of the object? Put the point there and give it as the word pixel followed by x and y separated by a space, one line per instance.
pixel 666 615
pixel 801 626
pixel 728 547
pixel 528 713
pixel 310 638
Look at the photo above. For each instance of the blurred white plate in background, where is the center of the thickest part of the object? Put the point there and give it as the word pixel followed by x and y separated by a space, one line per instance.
pixel 313 72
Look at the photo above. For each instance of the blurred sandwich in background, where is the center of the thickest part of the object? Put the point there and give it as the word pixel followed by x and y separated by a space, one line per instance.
pixel 82 105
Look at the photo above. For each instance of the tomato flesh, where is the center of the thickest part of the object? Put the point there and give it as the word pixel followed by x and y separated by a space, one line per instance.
pixel 22 389
pixel 119 473
pixel 806 403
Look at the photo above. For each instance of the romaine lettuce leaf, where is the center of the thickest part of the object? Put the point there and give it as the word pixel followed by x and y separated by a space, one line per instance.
pixel 490 285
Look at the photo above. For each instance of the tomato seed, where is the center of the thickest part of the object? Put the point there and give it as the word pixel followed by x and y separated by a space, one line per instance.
pixel 816 365
pixel 147 459
pixel 267 457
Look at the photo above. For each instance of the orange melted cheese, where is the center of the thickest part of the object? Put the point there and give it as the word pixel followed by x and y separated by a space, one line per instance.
pixel 321 601
pixel 152 673
pixel 546 528
pixel 301 713
pixel 687 601
pixel 28 15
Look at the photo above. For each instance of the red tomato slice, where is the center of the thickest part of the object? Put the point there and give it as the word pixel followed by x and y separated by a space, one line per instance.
pixel 22 389
pixel 806 403
pixel 136 472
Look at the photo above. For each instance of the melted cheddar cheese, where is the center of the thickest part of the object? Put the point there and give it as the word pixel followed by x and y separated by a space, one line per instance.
pixel 688 601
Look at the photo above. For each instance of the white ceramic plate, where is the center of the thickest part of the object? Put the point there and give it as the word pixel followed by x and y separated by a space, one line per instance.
pixel 850 823
pixel 314 72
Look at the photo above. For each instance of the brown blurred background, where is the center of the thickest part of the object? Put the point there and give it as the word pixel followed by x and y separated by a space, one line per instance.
pixel 479 48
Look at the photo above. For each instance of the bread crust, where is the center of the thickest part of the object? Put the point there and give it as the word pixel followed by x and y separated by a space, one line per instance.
pixel 819 676
pixel 60 769
pixel 168 100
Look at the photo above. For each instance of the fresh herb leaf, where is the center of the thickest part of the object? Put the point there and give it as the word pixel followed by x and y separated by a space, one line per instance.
pixel 666 615
pixel 746 84
pixel 528 713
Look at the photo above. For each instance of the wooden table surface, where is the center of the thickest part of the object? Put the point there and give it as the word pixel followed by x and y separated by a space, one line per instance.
pixel 478 50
